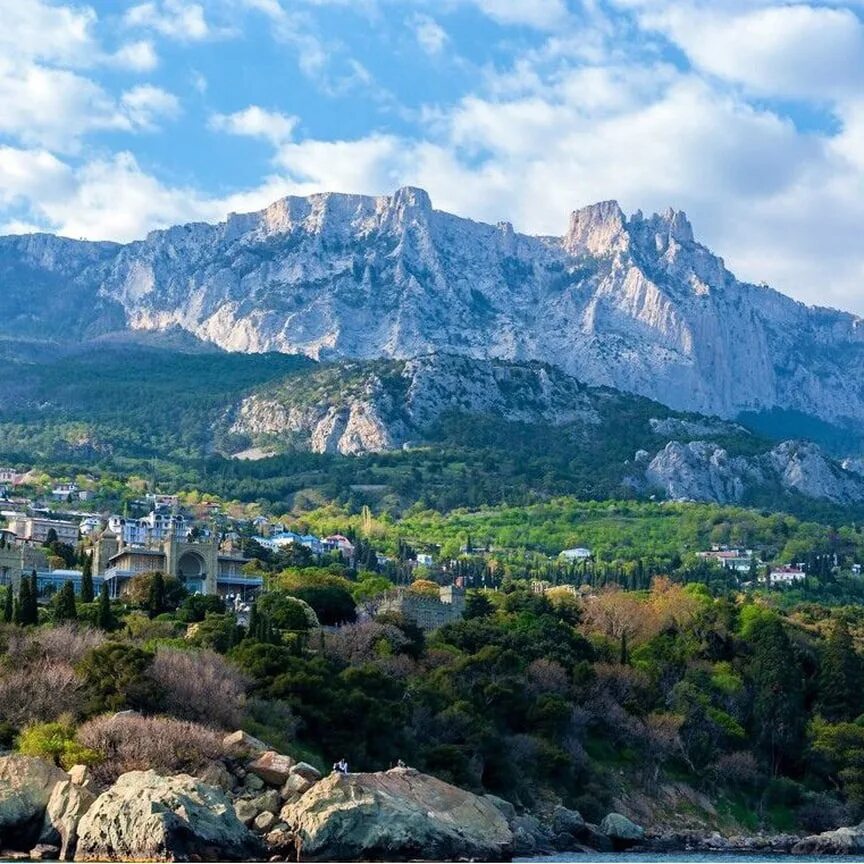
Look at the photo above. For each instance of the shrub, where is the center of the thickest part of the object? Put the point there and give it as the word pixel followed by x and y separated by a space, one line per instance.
pixel 56 743
pixel 199 686
pixel 130 742
pixel 218 633
pixel 197 607
pixel 116 676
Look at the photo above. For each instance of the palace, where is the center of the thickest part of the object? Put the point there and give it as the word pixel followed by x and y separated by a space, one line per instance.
pixel 201 566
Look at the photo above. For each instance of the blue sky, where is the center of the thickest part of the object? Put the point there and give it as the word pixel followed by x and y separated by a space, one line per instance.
pixel 119 117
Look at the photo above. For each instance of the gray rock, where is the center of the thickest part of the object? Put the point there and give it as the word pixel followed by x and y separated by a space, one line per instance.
pixel 396 815
pixel 306 771
pixel 507 810
pixel 621 830
pixel 842 841
pixel 295 786
pixel 253 782
pixel 269 802
pixel 264 822
pixel 147 817
pixel 67 804
pixel 565 821
pixel 216 774
pixel 26 785
pixel 245 810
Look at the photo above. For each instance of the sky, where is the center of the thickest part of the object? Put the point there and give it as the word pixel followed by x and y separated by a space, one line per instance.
pixel 119 117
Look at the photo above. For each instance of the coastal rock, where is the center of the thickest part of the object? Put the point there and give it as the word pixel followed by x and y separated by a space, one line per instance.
pixel 44 852
pixel 146 817
pixel 842 841
pixel 565 821
pixel 67 804
pixel 306 771
pixel 621 831
pixel 243 742
pixel 26 785
pixel 396 815
pixel 272 767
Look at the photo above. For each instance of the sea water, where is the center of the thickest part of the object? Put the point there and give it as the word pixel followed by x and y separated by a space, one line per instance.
pixel 686 857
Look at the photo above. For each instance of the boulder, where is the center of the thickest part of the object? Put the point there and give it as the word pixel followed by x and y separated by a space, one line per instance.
pixel 269 802
pixel 253 783
pixel 307 772
pixel 242 742
pixel 80 775
pixel 530 834
pixel 264 822
pixel 505 808
pixel 396 815
pixel 67 804
pixel 282 842
pixel 216 774
pixel 245 810
pixel 565 821
pixel 146 817
pixel 842 841
pixel 294 787
pixel 26 785
pixel 621 830
pixel 272 767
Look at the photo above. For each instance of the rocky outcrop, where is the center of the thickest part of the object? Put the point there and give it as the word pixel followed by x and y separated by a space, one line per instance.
pixel 630 302
pixel 621 831
pixel 397 815
pixel 842 841
pixel 703 471
pixel 26 785
pixel 146 817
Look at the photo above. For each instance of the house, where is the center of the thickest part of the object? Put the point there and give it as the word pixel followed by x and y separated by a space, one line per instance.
pixel 428 613
pixel 425 560
pixel 340 543
pixel 89 525
pixel 786 575
pixel 579 553
pixel 739 560
pixel 37 529
pixel 11 477
pixel 159 524
pixel 65 491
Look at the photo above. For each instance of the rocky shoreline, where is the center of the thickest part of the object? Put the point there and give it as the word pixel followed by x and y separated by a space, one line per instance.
pixel 260 805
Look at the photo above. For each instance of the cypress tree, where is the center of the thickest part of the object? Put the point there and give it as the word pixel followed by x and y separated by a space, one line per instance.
pixel 104 619
pixel 87 580
pixel 840 677
pixel 30 612
pixel 23 603
pixel 64 609
pixel 8 606
pixel 156 600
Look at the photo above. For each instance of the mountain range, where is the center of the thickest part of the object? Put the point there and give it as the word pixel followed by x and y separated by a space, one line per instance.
pixel 632 303
pixel 416 316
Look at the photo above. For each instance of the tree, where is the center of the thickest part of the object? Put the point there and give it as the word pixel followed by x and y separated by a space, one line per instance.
pixel 840 676
pixel 8 606
pixel 104 617
pixel 478 605
pixel 87 593
pixel 156 599
pixel 778 695
pixel 50 537
pixel 27 611
pixel 64 608
pixel 116 676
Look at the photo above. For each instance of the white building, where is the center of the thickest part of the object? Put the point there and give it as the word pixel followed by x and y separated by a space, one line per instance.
pixel 579 553
pixel 37 529
pixel 160 524
pixel 786 575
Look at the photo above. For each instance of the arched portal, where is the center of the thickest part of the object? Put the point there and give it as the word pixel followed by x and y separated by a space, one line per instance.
pixel 191 568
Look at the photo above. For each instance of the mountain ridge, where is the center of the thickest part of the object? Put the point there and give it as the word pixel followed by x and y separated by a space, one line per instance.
pixel 634 303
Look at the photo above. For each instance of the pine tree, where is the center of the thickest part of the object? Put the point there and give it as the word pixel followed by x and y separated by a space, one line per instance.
pixel 8 606
pixel 87 580
pixel 65 610
pixel 104 618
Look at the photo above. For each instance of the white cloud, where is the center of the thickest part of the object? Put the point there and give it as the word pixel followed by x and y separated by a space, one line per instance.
pixel 37 30
pixel 791 50
pixel 543 14
pixel 145 105
pixel 139 56
pixel 176 19
pixel 430 35
pixel 256 122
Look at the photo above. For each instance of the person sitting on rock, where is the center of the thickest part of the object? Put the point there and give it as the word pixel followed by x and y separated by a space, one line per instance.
pixel 341 767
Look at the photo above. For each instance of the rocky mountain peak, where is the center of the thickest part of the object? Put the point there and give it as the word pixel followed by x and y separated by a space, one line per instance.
pixel 598 229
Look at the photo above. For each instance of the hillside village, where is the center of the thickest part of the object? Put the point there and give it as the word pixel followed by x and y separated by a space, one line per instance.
pixel 57 530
